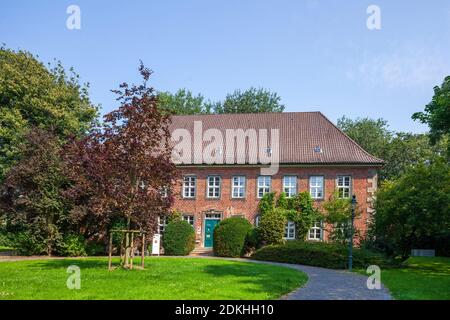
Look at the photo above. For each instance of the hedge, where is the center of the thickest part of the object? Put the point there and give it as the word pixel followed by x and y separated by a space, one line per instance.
pixel 319 254
pixel 179 238
pixel 230 237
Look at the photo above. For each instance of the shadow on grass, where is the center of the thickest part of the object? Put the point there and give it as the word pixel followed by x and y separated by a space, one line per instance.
pixel 271 280
pixel 83 263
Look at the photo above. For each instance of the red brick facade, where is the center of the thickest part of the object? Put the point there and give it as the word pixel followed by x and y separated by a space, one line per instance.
pixel 363 185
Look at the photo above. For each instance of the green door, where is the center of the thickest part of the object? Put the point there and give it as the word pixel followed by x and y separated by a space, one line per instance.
pixel 210 224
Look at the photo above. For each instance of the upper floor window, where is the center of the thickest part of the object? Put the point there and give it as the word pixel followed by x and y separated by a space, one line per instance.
pixel 189 186
pixel 189 219
pixel 238 187
pixel 290 186
pixel 343 186
pixel 289 230
pixel 213 188
pixel 263 186
pixel 164 191
pixel 316 187
pixel 315 233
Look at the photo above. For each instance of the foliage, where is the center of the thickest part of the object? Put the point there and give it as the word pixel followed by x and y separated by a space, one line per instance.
pixel 230 237
pixel 267 203
pixel 372 135
pixel 184 102
pixel 250 101
pixel 303 213
pixel 414 208
pixel 179 238
pixel 337 213
pixel 119 171
pixel 175 279
pixel 319 254
pixel 32 95
pixel 31 194
pixel 271 226
pixel 72 245
pixel 437 112
pixel 399 150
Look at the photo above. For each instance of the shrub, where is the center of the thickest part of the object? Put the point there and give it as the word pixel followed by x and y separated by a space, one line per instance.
pixel 95 248
pixel 319 254
pixel 28 244
pixel 230 237
pixel 271 226
pixel 179 238
pixel 72 245
pixel 252 241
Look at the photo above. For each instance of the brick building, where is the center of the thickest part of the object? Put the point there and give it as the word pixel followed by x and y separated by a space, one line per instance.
pixel 310 152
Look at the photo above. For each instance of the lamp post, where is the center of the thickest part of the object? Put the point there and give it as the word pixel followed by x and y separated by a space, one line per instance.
pixel 350 243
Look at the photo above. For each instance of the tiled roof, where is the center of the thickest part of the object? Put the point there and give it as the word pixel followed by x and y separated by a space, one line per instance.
pixel 305 137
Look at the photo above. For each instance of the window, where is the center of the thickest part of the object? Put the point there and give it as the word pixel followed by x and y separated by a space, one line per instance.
pixel 189 186
pixel 257 219
pixel 213 190
pixel 162 223
pixel 289 230
pixel 290 186
pixel 164 192
pixel 316 187
pixel 315 233
pixel 238 187
pixel 343 186
pixel 189 219
pixel 213 216
pixel 263 186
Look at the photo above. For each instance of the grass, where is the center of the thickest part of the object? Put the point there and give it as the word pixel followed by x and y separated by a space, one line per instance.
pixel 163 278
pixel 419 278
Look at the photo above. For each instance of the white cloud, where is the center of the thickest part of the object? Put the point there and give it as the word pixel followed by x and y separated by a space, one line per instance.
pixel 400 69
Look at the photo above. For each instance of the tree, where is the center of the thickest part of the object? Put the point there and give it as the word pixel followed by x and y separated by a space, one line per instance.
pixel 437 112
pixel 399 150
pixel 250 101
pixel 414 209
pixel 184 102
pixel 31 195
pixel 372 135
pixel 120 170
pixel 32 95
pixel 337 213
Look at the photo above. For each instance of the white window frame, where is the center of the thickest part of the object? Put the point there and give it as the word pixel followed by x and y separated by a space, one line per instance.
pixel 289 186
pixel 317 227
pixel 341 185
pixel 215 186
pixel 289 231
pixel 189 218
pixel 239 187
pixel 315 187
pixel 189 186
pixel 264 186
pixel 162 223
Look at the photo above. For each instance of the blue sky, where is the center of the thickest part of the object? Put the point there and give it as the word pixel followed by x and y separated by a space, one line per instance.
pixel 316 54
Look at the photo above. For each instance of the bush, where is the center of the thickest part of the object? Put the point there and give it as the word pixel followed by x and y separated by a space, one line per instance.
pixel 179 238
pixel 72 245
pixel 95 248
pixel 27 244
pixel 271 226
pixel 252 241
pixel 230 237
pixel 319 254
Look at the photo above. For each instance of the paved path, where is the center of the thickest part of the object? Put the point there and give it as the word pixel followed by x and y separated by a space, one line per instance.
pixel 323 284
pixel 328 284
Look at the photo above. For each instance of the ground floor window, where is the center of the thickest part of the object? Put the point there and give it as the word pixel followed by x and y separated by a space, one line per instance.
pixel 213 216
pixel 315 233
pixel 189 219
pixel 162 223
pixel 289 230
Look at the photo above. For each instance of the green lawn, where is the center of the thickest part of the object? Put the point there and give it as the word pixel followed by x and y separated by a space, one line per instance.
pixel 419 278
pixel 163 278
